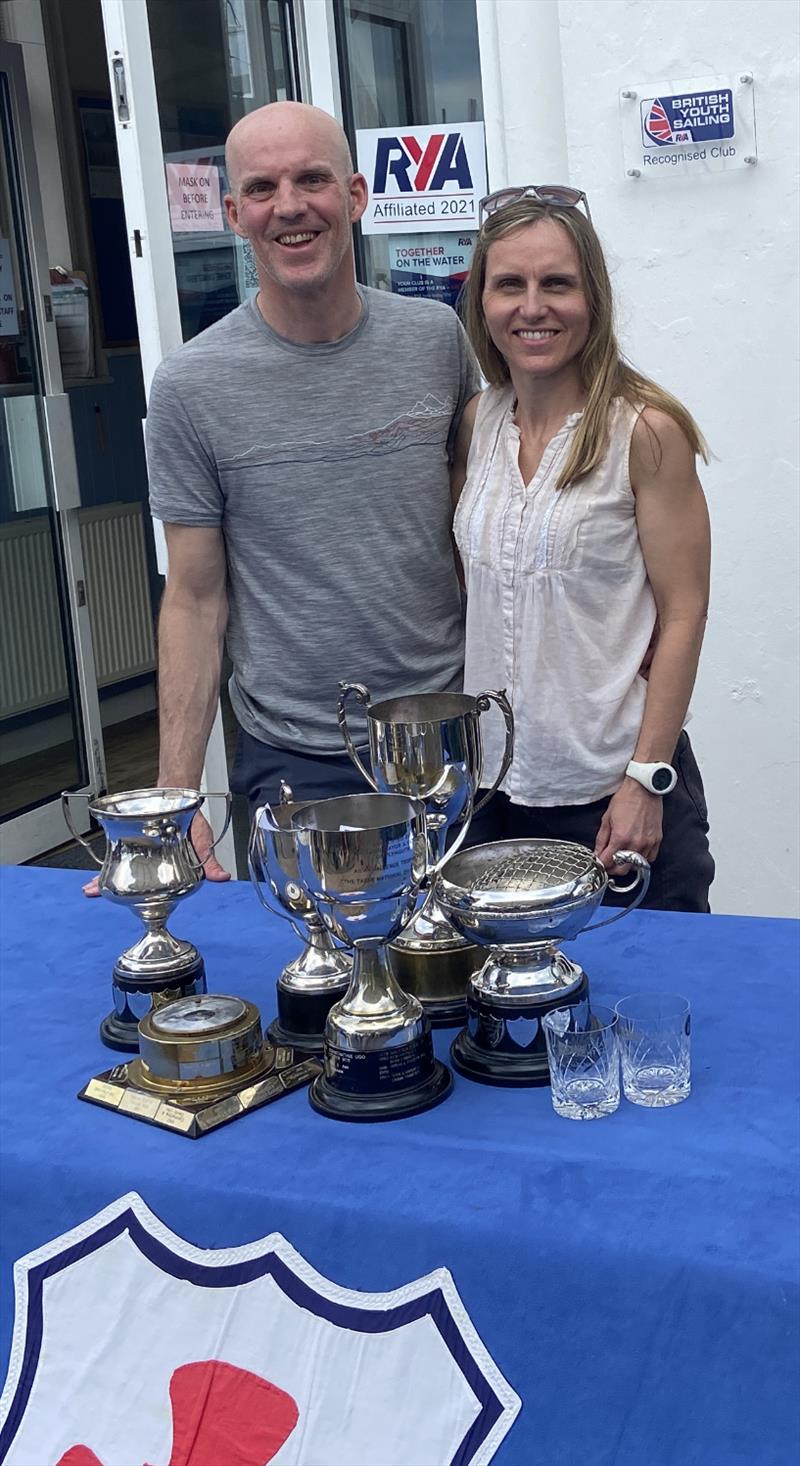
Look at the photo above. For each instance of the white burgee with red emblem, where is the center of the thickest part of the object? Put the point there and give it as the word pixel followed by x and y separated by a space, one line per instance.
pixel 134 1348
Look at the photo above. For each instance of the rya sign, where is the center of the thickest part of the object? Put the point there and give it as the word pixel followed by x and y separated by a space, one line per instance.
pixel 422 178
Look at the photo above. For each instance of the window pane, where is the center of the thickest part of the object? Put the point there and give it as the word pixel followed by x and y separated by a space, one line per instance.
pixel 408 63
pixel 214 61
pixel 41 742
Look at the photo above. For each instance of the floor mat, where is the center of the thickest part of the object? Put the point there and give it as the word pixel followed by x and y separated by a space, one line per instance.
pixel 73 856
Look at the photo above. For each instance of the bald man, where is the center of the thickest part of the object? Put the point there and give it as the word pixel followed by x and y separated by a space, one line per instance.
pixel 299 452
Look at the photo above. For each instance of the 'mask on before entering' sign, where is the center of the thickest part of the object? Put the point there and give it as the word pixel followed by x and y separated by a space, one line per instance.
pixel 688 128
pixel 422 178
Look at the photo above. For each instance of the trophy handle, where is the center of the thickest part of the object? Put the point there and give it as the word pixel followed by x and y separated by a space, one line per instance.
pixel 641 879
pixel 484 702
pixel 466 818
pixel 228 809
pixel 361 695
pixel 68 819
pixel 255 867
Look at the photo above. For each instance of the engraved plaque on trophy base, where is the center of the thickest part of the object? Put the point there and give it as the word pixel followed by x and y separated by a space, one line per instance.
pixel 381 1084
pixel 203 1062
pixel 504 1044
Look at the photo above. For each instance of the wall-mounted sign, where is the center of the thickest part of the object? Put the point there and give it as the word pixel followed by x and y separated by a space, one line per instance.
pixel 9 324
pixel 434 267
pixel 194 198
pixel 681 127
pixel 422 178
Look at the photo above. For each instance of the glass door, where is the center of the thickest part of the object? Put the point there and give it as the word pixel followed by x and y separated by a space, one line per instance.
pixel 237 56
pixel 50 737
pixel 407 64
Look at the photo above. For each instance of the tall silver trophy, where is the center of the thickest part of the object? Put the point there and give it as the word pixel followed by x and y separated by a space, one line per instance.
pixel 149 866
pixel 519 899
pixel 314 981
pixel 363 861
pixel 429 746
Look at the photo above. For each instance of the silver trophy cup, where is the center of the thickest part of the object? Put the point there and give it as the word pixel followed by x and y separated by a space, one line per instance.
pixel 519 899
pixel 363 860
pixel 429 746
pixel 149 866
pixel 308 986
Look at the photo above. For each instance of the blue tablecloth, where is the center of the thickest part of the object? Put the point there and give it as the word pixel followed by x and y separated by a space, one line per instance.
pixel 634 1278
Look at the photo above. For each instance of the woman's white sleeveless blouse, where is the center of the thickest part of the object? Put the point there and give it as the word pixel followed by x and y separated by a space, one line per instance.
pixel 559 608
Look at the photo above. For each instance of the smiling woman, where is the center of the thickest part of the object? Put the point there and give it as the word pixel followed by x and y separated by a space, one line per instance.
pixel 583 533
pixel 534 305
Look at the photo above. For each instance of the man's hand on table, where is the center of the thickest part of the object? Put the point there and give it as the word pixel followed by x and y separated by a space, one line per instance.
pixel 202 837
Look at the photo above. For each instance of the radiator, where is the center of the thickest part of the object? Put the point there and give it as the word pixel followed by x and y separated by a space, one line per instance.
pixel 32 668
pixel 118 591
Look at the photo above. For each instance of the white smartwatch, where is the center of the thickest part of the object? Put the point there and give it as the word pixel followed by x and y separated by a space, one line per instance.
pixel 657 778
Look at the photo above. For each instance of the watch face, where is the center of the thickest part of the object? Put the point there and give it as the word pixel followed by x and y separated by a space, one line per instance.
pixel 661 780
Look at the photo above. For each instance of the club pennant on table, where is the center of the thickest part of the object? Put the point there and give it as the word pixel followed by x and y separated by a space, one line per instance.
pixel 133 1346
pixel 219 1413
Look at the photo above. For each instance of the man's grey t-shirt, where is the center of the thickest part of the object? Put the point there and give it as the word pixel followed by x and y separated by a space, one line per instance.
pixel 326 467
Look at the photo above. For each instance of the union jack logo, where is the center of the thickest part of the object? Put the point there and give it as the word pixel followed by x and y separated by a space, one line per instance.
pixel 657 124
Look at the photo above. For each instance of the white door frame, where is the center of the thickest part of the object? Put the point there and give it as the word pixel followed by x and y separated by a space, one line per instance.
pixel 319 68
pixel 37 830
pixel 144 193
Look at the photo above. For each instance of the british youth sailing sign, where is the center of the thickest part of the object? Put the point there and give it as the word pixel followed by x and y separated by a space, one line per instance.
pixel 688 127
pixel 422 178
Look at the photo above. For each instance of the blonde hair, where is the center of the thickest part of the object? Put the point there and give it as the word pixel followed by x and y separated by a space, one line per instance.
pixel 604 372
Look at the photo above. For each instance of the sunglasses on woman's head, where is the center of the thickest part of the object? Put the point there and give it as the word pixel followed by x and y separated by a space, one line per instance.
pixel 544 193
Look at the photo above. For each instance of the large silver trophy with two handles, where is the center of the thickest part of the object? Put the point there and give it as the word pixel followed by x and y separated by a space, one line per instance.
pixel 428 746
pixel 363 861
pixel 149 866
pixel 310 984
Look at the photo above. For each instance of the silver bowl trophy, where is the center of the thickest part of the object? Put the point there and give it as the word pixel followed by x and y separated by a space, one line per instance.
pixel 519 899
pixel 363 861
pixel 428 746
pixel 309 986
pixel 149 866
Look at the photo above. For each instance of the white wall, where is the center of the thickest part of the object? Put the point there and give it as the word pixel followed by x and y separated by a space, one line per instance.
pixel 705 270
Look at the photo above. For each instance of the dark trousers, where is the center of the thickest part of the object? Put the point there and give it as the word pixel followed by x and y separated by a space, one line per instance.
pixel 259 768
pixel 684 867
pixel 682 872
